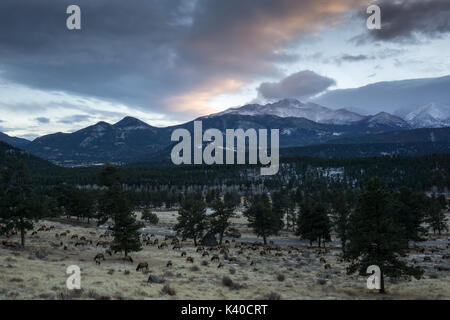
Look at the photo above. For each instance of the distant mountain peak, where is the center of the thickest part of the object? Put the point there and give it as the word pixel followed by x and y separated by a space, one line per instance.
pixel 130 123
pixel 429 116
pixel 387 119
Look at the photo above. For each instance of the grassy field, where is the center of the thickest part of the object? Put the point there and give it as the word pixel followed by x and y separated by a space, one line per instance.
pixel 39 270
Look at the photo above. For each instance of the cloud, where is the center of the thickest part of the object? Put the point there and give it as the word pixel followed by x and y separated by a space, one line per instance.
pixel 353 58
pixel 75 119
pixel 42 120
pixel 145 54
pixel 409 21
pixel 302 85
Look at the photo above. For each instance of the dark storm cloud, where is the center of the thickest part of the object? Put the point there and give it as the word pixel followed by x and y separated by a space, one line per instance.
pixel 43 120
pixel 154 54
pixel 410 20
pixel 303 84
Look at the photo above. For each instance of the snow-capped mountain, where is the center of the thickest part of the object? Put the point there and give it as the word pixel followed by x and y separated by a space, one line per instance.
pixel 385 119
pixel 293 108
pixel 429 116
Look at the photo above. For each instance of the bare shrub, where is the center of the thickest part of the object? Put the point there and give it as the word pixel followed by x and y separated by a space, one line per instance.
pixel 194 268
pixel 168 290
pixel 226 281
pixel 273 296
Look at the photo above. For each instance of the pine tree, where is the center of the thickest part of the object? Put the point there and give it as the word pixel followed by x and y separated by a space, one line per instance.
pixel 19 202
pixel 375 238
pixel 220 219
pixel 341 213
pixel 192 219
pixel 435 216
pixel 150 217
pixel 409 211
pixel 116 206
pixel 313 222
pixel 262 218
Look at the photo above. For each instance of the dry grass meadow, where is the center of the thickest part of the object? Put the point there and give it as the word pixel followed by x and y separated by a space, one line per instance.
pixel 294 272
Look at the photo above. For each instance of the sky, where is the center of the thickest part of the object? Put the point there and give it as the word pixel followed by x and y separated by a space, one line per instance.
pixel 170 61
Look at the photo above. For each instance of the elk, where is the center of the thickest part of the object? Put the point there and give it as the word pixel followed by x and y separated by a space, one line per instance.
pixel 190 259
pixel 183 254
pixel 128 258
pixel 142 266
pixel 199 249
pixel 162 245
pixel 176 247
pixel 205 253
pixel 99 256
pixel 80 243
pixel 215 257
pixel 169 263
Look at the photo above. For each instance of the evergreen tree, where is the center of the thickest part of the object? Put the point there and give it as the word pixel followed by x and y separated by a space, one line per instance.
pixel 341 213
pixel 19 201
pixel 192 219
pixel 150 217
pixel 220 219
pixel 116 206
pixel 409 213
pixel 375 238
pixel 262 218
pixel 435 215
pixel 313 222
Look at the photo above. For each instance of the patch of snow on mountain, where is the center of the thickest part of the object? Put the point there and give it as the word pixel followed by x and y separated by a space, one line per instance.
pixel 294 108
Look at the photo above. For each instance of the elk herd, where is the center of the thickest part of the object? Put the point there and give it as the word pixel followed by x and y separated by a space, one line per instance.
pixel 230 252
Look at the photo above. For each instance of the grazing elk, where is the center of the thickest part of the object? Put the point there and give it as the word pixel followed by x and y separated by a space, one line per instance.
pixel 215 257
pixel 190 259
pixel 99 256
pixel 80 243
pixel 128 258
pixel 162 245
pixel 169 264
pixel 142 266
pixel 183 254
